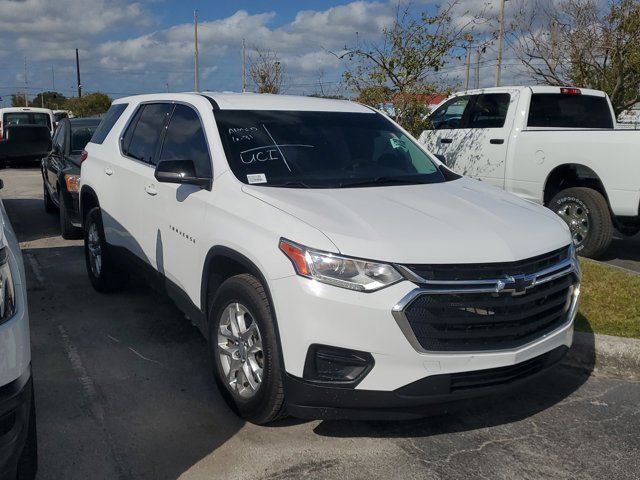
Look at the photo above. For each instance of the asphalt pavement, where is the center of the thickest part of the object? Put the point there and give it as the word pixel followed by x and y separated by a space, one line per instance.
pixel 124 391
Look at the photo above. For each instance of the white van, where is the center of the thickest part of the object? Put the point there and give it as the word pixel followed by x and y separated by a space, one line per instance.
pixel 25 116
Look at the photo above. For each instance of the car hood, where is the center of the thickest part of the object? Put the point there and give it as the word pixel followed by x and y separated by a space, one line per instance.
pixel 461 221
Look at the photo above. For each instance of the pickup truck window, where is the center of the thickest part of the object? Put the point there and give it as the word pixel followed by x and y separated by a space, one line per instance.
pixel 488 111
pixel 450 114
pixel 321 150
pixel 569 111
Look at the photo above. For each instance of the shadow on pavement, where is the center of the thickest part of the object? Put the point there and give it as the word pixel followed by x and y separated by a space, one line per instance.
pixel 122 380
pixel 29 220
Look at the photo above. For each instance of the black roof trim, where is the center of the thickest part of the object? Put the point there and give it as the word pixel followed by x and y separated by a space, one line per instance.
pixel 213 103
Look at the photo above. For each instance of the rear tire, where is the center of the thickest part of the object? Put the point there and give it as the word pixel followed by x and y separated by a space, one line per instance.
pixel 104 274
pixel 49 206
pixel 264 403
pixel 67 229
pixel 586 212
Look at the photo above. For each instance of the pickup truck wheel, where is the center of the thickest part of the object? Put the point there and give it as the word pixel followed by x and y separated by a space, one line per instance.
pixel 67 229
pixel 586 212
pixel 103 273
pixel 49 206
pixel 245 352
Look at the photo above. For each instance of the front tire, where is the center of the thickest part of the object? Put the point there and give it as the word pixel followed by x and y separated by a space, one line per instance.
pixel 103 273
pixel 245 353
pixel 586 212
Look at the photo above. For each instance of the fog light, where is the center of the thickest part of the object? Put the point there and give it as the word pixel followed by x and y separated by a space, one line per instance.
pixel 336 365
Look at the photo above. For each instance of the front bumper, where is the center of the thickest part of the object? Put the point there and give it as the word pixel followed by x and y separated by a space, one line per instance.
pixel 15 411
pixel 310 313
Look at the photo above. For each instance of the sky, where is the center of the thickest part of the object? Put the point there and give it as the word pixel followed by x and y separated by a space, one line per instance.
pixel 143 46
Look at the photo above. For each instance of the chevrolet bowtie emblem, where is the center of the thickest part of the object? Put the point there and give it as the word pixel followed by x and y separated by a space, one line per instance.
pixel 516 284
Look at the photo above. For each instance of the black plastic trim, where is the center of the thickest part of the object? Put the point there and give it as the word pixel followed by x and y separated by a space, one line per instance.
pixel 213 103
pixel 341 355
pixel 415 400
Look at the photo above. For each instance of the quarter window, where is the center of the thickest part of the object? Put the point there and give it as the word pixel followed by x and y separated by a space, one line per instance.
pixel 185 140
pixel 141 138
pixel 110 118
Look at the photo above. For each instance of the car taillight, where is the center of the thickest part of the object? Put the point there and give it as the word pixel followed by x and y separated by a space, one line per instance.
pixel 83 156
pixel 570 91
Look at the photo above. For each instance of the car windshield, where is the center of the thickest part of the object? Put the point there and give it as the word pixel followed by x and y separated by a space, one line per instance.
pixel 321 150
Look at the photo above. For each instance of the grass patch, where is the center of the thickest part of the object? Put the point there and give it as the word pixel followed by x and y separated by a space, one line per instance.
pixel 610 301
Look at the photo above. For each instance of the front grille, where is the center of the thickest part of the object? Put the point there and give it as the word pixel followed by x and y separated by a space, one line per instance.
pixel 489 320
pixel 465 271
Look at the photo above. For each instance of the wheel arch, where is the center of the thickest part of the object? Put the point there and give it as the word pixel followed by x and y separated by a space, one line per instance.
pixel 222 263
pixel 570 175
pixel 88 200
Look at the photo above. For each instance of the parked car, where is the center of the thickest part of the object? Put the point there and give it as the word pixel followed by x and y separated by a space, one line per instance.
pixel 557 146
pixel 25 116
pixel 24 143
pixel 18 441
pixel 336 268
pixel 61 172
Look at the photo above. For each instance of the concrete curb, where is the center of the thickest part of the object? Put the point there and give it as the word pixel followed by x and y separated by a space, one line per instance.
pixel 606 355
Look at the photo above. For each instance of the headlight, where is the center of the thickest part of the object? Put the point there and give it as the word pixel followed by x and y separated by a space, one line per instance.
pixel 351 273
pixel 7 292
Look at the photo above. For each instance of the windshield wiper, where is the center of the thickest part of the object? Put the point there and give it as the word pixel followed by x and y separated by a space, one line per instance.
pixel 290 184
pixel 382 180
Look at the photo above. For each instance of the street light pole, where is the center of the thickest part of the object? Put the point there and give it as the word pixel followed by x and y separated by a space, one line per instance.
pixel 500 35
pixel 195 64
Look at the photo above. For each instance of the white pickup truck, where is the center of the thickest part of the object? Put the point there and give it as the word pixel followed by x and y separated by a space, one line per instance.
pixel 557 146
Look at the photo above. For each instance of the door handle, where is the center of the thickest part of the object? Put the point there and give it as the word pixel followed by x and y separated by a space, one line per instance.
pixel 446 140
pixel 497 141
pixel 108 171
pixel 151 190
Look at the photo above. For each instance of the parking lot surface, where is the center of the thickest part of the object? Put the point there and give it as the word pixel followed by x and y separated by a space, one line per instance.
pixel 123 391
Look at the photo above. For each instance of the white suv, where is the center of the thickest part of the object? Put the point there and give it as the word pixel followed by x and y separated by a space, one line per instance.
pixel 336 268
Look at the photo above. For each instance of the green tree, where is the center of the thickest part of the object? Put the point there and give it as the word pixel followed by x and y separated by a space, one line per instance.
pixel 586 45
pixel 52 100
pixel 404 63
pixel 89 105
pixel 17 100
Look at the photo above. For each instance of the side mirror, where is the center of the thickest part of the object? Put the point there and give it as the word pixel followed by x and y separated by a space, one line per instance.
pixel 441 157
pixel 1 184
pixel 180 171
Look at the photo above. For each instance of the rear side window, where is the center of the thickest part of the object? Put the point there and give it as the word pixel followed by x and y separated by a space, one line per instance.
pixel 185 140
pixel 141 138
pixel 569 111
pixel 80 136
pixel 489 111
pixel 108 121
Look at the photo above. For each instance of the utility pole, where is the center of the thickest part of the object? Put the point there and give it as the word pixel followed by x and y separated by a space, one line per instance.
pixel 468 65
pixel 477 72
pixel 244 67
pixel 195 63
pixel 25 82
pixel 167 85
pixel 554 44
pixel 500 38
pixel 78 74
pixel 53 80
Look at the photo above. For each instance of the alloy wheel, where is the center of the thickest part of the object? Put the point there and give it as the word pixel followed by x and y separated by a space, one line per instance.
pixel 240 351
pixel 95 250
